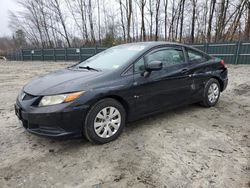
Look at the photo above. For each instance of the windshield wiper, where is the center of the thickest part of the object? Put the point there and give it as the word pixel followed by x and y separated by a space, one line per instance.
pixel 88 68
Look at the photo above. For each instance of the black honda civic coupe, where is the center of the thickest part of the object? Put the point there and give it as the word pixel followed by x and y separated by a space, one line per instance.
pixel 96 97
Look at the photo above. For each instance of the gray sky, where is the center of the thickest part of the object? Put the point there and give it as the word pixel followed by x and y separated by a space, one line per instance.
pixel 5 6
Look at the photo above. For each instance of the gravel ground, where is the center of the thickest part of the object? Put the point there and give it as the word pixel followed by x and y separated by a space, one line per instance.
pixel 187 147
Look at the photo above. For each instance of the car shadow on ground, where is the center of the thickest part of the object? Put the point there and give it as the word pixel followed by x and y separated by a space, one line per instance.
pixel 169 114
pixel 130 127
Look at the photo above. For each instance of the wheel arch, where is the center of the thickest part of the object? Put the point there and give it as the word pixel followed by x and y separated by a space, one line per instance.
pixel 121 100
pixel 118 98
pixel 220 82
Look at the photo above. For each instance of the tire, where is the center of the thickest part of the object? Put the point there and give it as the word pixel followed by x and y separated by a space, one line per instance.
pixel 100 125
pixel 211 93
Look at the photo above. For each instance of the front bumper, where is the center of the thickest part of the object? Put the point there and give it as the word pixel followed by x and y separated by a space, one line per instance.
pixel 62 122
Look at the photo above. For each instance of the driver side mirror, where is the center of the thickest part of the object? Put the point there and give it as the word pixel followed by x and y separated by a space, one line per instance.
pixel 154 66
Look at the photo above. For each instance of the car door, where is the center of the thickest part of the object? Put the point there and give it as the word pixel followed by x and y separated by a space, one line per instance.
pixel 170 86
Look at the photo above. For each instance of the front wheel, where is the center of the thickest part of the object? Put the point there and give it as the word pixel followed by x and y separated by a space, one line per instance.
pixel 211 93
pixel 104 121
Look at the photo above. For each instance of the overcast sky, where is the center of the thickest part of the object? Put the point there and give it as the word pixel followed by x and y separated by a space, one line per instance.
pixel 5 6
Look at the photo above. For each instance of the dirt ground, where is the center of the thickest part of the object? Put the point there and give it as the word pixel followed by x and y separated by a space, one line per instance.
pixel 187 147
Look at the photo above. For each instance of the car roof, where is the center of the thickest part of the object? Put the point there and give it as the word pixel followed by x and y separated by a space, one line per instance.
pixel 153 43
pixel 150 44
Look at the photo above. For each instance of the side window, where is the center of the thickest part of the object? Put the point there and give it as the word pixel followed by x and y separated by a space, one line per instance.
pixel 139 66
pixel 168 57
pixel 195 57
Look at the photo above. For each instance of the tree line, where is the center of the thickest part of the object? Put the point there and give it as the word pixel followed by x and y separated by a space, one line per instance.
pixel 73 23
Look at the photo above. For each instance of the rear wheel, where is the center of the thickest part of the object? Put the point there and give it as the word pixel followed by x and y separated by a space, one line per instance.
pixel 211 93
pixel 104 121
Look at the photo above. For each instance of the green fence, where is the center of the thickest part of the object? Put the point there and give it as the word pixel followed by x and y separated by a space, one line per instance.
pixel 59 54
pixel 233 53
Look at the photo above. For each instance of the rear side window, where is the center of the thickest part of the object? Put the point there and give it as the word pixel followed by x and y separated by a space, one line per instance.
pixel 196 57
pixel 168 57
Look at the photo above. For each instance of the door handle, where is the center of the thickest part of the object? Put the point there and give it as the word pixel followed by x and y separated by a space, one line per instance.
pixel 184 70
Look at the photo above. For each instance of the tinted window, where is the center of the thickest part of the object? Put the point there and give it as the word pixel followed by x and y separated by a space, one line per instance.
pixel 195 57
pixel 167 56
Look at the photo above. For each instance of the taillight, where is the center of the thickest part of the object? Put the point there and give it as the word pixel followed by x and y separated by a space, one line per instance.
pixel 222 62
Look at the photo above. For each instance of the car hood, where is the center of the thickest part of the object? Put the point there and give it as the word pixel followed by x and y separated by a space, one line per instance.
pixel 63 81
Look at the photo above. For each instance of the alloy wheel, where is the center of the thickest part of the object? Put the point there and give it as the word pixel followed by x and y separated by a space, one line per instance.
pixel 213 93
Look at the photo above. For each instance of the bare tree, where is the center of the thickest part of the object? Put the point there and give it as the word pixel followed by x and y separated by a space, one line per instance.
pixel 182 18
pixel 99 21
pixel 179 10
pixel 142 4
pixel 235 23
pixel 49 23
pixel 204 19
pixel 34 17
pixel 221 19
pixel 91 25
pixel 122 20
pixel 55 6
pixel 129 15
pixel 173 17
pixel 210 20
pixel 247 28
pixel 165 18
pixel 151 12
pixel 44 21
pixel 193 20
pixel 157 7
pixel 77 9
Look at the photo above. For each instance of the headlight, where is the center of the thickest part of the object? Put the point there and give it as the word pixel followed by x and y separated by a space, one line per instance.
pixel 58 99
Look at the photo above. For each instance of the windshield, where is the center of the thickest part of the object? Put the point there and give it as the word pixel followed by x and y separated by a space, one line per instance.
pixel 112 58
